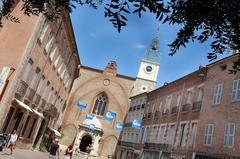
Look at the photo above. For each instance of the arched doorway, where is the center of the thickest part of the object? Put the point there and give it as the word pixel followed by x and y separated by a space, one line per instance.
pixel 85 142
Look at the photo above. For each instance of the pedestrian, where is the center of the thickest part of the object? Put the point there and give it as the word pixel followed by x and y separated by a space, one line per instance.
pixel 69 152
pixel 54 150
pixel 12 141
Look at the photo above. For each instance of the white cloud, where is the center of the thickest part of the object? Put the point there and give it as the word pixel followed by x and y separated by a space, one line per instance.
pixel 92 34
pixel 139 46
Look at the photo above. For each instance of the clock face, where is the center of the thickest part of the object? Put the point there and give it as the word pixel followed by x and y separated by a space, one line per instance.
pixel 149 69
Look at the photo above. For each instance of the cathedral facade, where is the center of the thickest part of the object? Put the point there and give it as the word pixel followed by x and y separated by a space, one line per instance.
pixel 102 92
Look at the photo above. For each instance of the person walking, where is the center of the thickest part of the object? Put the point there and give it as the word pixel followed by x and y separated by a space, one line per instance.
pixel 54 150
pixel 69 152
pixel 12 141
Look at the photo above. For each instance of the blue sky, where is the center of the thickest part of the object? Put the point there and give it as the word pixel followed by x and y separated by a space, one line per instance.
pixel 99 42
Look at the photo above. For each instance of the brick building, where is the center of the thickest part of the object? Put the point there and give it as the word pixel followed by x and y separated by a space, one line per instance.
pixel 39 61
pixel 130 145
pixel 194 116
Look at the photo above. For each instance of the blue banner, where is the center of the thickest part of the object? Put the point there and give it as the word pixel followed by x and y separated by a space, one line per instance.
pixel 110 115
pixel 137 124
pixel 89 116
pixel 81 105
pixel 119 126
pixel 92 127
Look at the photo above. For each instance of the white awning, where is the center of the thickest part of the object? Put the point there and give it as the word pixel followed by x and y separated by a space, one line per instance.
pixel 56 132
pixel 23 105
pixel 38 113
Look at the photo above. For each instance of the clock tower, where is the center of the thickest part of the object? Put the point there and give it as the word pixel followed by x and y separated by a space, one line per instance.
pixel 147 75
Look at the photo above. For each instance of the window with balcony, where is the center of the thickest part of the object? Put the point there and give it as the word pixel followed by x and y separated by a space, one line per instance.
pixel 27 70
pixel 229 133
pixel 49 42
pixel 167 104
pixel 50 96
pixel 208 137
pixel 40 86
pixel 188 97
pixel 43 30
pixel 178 100
pixel 217 94
pixel 46 90
pixel 236 90
pixel 200 94
pixel 35 78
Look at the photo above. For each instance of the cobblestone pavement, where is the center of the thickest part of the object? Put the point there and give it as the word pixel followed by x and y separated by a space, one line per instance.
pixel 30 154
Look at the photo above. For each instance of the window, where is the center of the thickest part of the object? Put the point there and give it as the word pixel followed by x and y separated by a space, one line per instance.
pixel 217 94
pixel 168 102
pixel 49 42
pixel 34 81
pixel 229 132
pixel 43 30
pixel 236 90
pixel 193 134
pixel 200 94
pixel 53 52
pixel 57 60
pixel 46 90
pixel 208 134
pixel 178 100
pixel 182 134
pixel 171 134
pixel 189 97
pixel 100 104
pixel 40 86
pixel 162 132
pixel 50 96
pixel 27 70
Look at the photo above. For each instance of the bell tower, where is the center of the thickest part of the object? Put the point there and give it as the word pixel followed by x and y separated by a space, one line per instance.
pixel 147 75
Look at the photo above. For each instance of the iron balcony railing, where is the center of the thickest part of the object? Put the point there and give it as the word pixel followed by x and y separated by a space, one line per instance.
pixel 158 146
pixel 157 114
pixel 127 144
pixel 36 99
pixel 174 110
pixel 21 90
pixel 186 107
pixel 197 105
pixel 43 103
pixel 30 94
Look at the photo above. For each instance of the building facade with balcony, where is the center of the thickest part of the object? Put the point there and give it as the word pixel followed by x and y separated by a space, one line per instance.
pixel 39 61
pixel 130 144
pixel 172 114
pixel 195 116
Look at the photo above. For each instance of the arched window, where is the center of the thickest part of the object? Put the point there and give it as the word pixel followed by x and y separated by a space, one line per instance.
pixel 100 104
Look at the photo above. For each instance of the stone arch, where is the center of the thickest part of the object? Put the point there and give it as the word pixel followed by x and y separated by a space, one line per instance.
pixel 69 133
pixel 109 145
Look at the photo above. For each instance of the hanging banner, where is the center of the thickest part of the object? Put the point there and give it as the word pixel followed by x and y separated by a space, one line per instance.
pixel 81 105
pixel 91 127
pixel 137 124
pixel 89 117
pixel 119 126
pixel 110 115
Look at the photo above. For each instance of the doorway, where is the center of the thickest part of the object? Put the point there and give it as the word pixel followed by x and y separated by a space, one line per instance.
pixel 85 142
